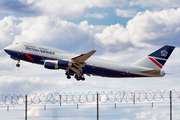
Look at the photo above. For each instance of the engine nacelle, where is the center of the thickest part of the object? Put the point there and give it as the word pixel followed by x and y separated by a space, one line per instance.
pixel 51 64
pixel 64 64
pixel 56 64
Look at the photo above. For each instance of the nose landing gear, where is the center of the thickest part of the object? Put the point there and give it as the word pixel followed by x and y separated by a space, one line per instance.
pixel 18 65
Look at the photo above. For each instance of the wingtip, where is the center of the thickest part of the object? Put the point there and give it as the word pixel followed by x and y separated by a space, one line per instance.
pixel 91 52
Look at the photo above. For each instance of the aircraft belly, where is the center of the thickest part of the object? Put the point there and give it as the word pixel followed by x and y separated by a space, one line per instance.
pixel 107 72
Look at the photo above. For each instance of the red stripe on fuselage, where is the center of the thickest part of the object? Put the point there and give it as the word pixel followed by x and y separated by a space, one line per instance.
pixel 29 57
pixel 159 65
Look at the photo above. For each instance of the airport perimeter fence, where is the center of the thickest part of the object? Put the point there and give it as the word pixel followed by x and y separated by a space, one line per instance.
pixel 77 99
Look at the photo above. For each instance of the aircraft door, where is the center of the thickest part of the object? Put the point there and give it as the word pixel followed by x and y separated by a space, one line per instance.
pixel 128 71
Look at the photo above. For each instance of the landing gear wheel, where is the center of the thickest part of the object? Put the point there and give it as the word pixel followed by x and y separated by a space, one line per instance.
pixel 82 78
pixel 17 65
pixel 77 77
pixel 68 77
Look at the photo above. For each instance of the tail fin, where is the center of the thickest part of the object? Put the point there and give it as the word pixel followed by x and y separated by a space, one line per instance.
pixel 157 59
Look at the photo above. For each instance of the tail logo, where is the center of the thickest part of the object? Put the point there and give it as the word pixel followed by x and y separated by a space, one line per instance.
pixel 164 53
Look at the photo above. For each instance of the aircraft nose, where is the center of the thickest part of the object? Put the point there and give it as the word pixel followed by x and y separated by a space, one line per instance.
pixel 6 49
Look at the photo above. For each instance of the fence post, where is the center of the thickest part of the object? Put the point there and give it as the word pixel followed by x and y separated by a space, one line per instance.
pixel 44 107
pixel 97 106
pixel 134 98
pixel 60 100
pixel 170 105
pixel 26 108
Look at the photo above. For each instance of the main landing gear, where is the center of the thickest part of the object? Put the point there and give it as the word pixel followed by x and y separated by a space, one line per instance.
pixel 68 75
pixel 18 65
pixel 78 77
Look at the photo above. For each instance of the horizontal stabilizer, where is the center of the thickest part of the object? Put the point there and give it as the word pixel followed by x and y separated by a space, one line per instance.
pixel 150 71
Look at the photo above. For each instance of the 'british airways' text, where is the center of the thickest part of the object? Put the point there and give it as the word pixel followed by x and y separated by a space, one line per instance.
pixel 39 50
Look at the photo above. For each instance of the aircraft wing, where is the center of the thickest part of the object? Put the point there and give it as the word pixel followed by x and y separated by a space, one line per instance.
pixel 79 62
pixel 83 57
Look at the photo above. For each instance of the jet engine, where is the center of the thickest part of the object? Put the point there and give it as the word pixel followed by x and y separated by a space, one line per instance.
pixel 64 64
pixel 51 64
pixel 57 64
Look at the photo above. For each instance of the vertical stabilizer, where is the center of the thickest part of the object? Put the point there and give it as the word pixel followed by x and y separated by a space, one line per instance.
pixel 157 59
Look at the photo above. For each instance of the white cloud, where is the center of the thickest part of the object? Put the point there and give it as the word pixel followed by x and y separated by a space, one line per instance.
pixel 113 35
pixel 126 13
pixel 97 15
pixel 144 30
pixel 156 3
pixel 9 29
pixel 70 9
pixel 44 30
pixel 108 3
pixel 154 27
pixel 63 9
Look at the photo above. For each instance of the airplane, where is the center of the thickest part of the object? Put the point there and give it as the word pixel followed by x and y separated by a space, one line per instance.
pixel 78 65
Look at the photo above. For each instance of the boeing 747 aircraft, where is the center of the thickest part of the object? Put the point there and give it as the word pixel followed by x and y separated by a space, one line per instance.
pixel 78 65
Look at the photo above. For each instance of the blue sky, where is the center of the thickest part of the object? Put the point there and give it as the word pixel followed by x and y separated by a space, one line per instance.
pixel 122 31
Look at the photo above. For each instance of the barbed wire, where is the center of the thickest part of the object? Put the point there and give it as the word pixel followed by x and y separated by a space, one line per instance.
pixel 90 97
